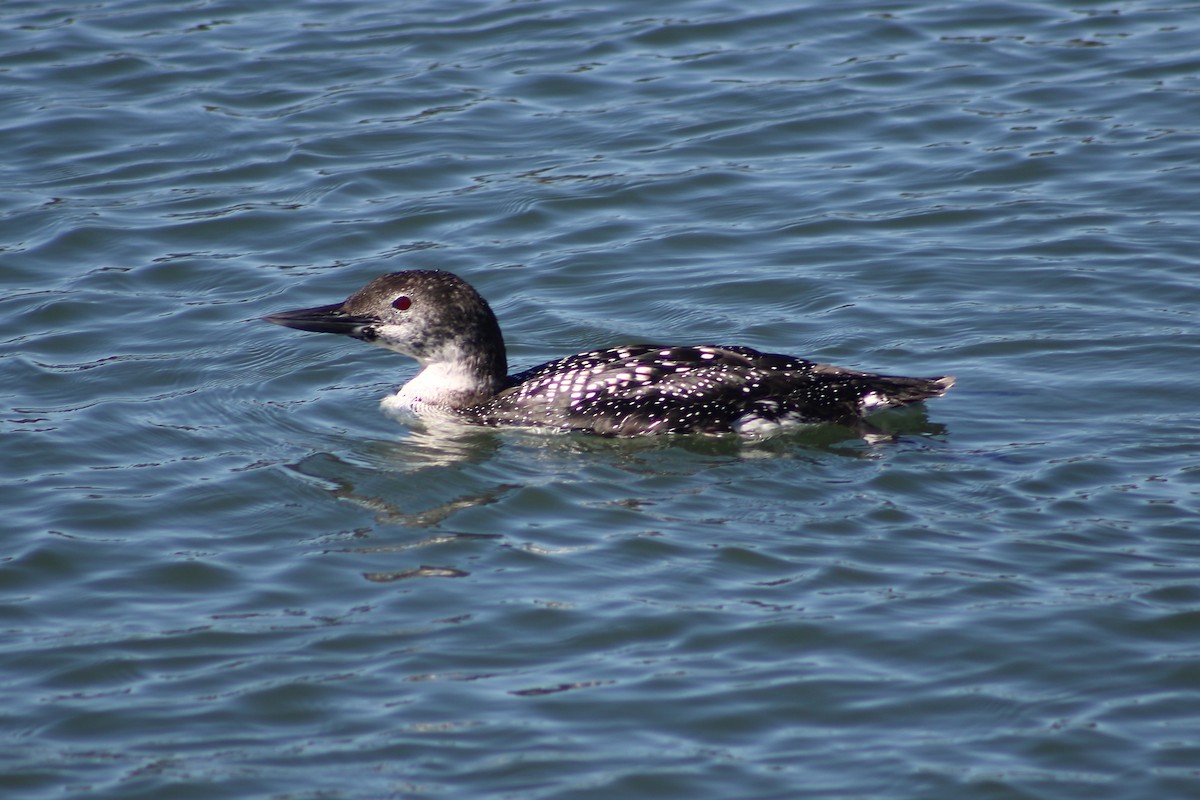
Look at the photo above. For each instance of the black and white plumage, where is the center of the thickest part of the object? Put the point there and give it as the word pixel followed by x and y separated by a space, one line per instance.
pixel 441 321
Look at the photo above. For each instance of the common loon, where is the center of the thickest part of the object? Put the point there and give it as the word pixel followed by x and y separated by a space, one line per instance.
pixel 635 390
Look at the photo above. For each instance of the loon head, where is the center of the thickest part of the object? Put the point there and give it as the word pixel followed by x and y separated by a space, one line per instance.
pixel 432 316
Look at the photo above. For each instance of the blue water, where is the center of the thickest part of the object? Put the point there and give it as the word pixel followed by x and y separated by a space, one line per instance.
pixel 225 574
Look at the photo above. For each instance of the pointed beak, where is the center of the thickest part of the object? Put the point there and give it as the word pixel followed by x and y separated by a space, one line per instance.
pixel 323 319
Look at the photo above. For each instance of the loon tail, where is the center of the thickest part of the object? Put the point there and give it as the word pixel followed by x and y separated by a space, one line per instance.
pixel 885 391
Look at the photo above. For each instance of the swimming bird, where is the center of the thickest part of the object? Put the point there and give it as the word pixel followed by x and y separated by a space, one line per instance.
pixel 441 321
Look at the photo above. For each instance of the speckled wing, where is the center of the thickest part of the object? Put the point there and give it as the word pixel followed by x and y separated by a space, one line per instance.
pixel 649 389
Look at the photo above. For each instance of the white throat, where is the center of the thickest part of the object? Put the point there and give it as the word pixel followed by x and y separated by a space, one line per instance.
pixel 441 386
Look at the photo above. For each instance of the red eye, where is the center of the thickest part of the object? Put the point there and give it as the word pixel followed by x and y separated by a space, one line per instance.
pixel 402 303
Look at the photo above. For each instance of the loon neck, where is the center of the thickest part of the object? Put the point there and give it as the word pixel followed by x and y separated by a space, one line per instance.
pixel 459 368
pixel 452 385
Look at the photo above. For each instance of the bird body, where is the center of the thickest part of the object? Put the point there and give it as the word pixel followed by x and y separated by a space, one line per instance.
pixel 634 390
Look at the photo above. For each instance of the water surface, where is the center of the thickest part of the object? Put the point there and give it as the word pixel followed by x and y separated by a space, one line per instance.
pixel 223 573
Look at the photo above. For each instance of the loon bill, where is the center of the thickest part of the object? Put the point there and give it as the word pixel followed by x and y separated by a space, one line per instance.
pixel 438 319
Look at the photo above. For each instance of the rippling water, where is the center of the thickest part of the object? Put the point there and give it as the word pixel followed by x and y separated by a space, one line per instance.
pixel 224 573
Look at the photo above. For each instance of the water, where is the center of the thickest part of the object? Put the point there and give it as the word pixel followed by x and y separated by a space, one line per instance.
pixel 225 574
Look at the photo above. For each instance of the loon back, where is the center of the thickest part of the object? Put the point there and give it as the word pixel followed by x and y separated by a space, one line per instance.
pixel 438 319
pixel 650 389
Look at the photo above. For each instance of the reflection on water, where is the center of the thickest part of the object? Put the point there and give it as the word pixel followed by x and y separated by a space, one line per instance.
pixel 413 500
pixel 403 481
pixel 420 572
